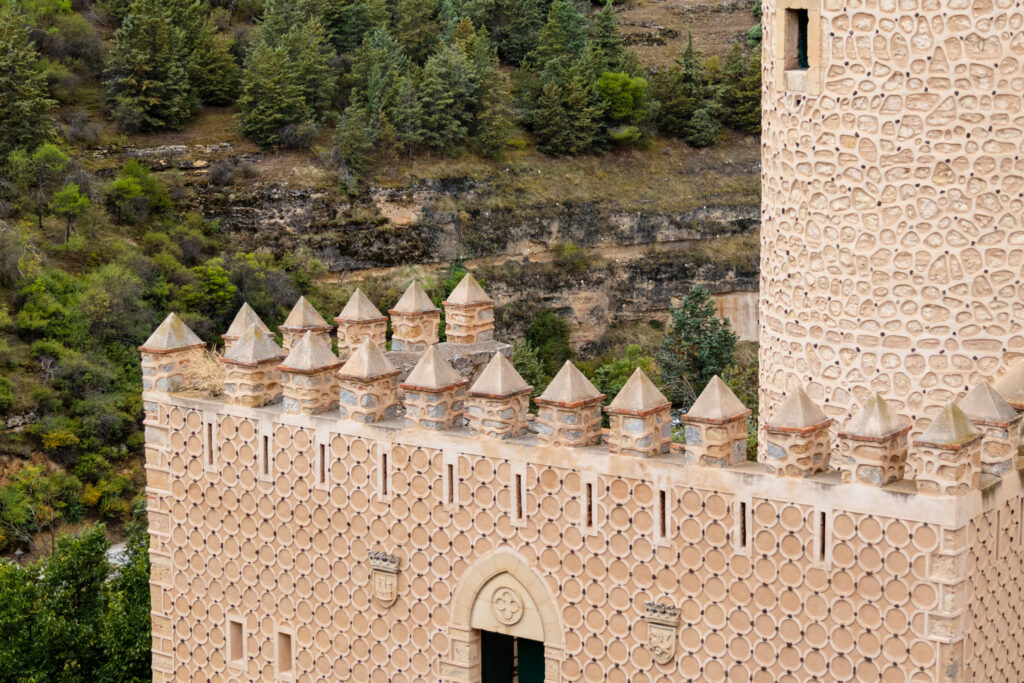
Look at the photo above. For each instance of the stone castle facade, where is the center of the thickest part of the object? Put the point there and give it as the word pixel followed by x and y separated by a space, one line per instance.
pixel 347 511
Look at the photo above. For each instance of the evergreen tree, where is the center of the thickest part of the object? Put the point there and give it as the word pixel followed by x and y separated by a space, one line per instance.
pixel 740 92
pixel 698 346
pixel 702 129
pixel 407 116
pixel 37 176
pixel 517 28
pixel 216 77
pixel 493 125
pixel 148 86
pixel 565 35
pixel 681 92
pixel 625 98
pixel 566 117
pixel 376 69
pixel 356 135
pixel 446 79
pixel 348 21
pixel 416 29
pixel 69 203
pixel 271 99
pixel 24 107
pixel 606 39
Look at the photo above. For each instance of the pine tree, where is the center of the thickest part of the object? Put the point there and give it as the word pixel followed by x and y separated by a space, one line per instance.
pixel 37 176
pixel 606 39
pixel 348 21
pixel 416 29
pixel 376 68
pixel 407 114
pixel 740 92
pixel 69 203
pixel 517 28
pixel 356 135
pixel 216 77
pixel 271 98
pixel 702 129
pixel 446 77
pixel 565 35
pixel 148 86
pixel 493 124
pixel 24 107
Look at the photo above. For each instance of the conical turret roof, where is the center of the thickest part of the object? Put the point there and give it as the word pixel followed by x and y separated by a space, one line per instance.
pixel 984 403
pixel 414 300
pixel 949 428
pixel 432 372
pixel 468 292
pixel 243 320
pixel 876 419
pixel 1011 385
pixel 638 395
pixel 172 334
pixel 717 403
pixel 569 387
pixel 798 412
pixel 304 316
pixel 499 378
pixel 312 353
pixel 367 363
pixel 254 347
pixel 359 309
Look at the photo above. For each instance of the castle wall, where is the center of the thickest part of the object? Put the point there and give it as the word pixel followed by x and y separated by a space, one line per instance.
pixel 775 579
pixel 892 214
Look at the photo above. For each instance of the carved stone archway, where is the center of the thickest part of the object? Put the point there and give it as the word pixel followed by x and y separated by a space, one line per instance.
pixel 501 593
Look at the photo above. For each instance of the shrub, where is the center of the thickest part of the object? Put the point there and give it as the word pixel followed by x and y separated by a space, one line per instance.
pixel 549 334
pixel 221 173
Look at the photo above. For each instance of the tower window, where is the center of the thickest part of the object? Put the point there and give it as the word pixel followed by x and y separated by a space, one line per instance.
pixel 796 39
pixel 285 656
pixel 236 641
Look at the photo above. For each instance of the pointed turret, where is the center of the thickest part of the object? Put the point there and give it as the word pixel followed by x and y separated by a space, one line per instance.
pixel 948 454
pixel 569 410
pixel 170 356
pixel 498 402
pixel 308 376
pixel 358 321
pixel 414 320
pixel 368 385
pixel 468 313
pixel 715 427
pixel 245 318
pixel 1000 427
pixel 434 393
pixel 1011 386
pixel 251 377
pixel 873 447
pixel 303 318
pixel 640 419
pixel 798 443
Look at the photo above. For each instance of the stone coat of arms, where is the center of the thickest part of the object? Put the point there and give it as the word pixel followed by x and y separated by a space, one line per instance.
pixel 662 621
pixel 384 577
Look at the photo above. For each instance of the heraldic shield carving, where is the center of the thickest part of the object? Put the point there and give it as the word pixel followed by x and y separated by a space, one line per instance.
pixel 384 577
pixel 662 621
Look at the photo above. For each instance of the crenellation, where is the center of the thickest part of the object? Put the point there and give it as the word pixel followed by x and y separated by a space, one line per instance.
pixel 715 427
pixel 368 385
pixel 308 376
pixel 303 318
pixel 873 447
pixel 569 410
pixel 948 455
pixel 640 419
pixel 170 356
pixel 434 394
pixel 251 374
pixel 498 402
pixel 245 318
pixel 1000 427
pixel 414 320
pixel 359 321
pixel 468 313
pixel 799 441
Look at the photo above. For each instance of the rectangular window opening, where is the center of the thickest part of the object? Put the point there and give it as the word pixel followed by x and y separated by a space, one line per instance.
pixel 744 538
pixel 822 535
pixel 384 474
pixel 663 512
pixel 590 505
pixel 796 39
pixel 1020 523
pixel 450 494
pixel 236 640
pixel 323 464
pixel 209 444
pixel 519 496
pixel 284 653
pixel 266 455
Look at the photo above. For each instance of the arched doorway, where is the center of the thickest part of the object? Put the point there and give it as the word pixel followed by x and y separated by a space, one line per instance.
pixel 502 612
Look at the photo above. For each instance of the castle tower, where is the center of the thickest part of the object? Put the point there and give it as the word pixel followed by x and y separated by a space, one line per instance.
pixel 414 320
pixel 358 321
pixel 640 418
pixel 498 401
pixel 891 196
pixel 569 410
pixel 302 319
pixel 468 313
pixel 243 320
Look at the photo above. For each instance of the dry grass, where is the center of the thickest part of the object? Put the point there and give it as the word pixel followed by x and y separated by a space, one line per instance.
pixel 210 374
pixel 660 26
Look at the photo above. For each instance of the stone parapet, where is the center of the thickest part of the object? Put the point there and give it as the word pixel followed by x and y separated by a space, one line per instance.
pixel 1000 427
pixel 798 440
pixel 640 419
pixel 569 410
pixel 715 427
pixel 360 321
pixel 948 455
pixel 308 376
pixel 873 448
pixel 498 403
pixel 303 318
pixel 251 377
pixel 468 314
pixel 368 386
pixel 414 321
pixel 170 357
pixel 434 394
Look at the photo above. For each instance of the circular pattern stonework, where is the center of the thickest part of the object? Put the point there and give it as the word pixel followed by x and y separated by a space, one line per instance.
pixel 507 606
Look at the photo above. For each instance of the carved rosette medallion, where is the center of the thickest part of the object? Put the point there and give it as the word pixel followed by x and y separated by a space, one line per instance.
pixel 662 621
pixel 384 576
pixel 507 606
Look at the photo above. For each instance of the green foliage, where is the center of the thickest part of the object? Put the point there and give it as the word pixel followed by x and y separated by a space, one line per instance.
pixel 566 117
pixel 348 21
pixel 35 503
pixel 613 375
pixel 527 362
pixel 216 76
pixel 69 203
pixel 625 98
pixel 211 294
pixel 549 334
pixel 517 28
pixel 740 90
pixel 271 99
pixel 742 378
pixel 702 129
pixel 6 394
pixel 37 176
pixel 25 108
pixel 136 194
pixel 147 78
pixel 698 346
pixel 416 29
pixel 607 39
pixel 69 617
